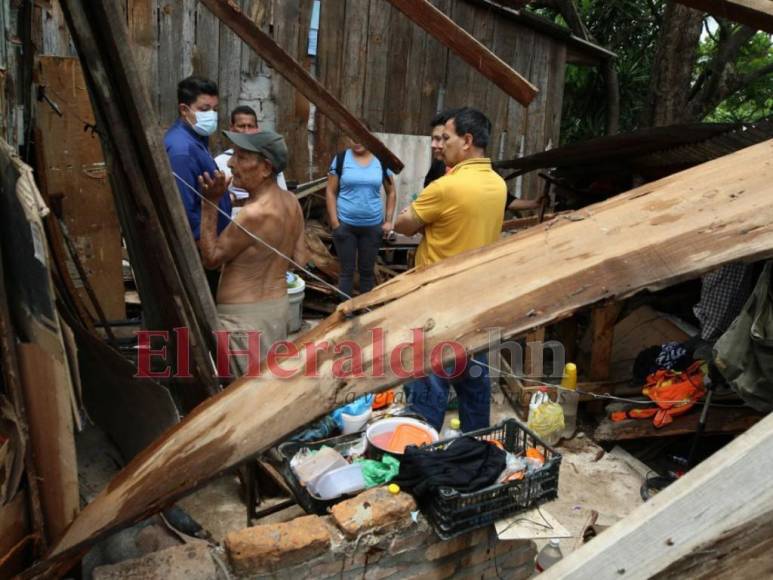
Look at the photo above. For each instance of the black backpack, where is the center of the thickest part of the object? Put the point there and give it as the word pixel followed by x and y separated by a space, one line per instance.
pixel 339 166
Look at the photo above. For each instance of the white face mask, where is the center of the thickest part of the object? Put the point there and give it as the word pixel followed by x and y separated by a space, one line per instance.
pixel 206 122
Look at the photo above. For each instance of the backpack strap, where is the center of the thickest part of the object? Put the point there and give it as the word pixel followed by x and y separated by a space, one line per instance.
pixel 339 163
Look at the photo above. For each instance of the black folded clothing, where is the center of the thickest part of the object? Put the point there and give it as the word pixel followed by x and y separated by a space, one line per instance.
pixel 466 464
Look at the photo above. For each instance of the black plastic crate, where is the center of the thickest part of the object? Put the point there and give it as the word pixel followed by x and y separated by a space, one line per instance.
pixel 286 451
pixel 452 512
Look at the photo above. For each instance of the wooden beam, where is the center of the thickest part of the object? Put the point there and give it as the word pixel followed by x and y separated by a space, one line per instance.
pixel 714 502
pixel 603 319
pixel 650 237
pixel 467 47
pixel 757 14
pixel 164 257
pixel 232 16
pixel 719 420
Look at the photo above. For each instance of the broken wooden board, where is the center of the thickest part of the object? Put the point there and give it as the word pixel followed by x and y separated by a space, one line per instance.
pixel 163 255
pixel 232 16
pixel 688 527
pixel 14 529
pixel 29 293
pixel 651 237
pixel 719 420
pixel 75 170
pixel 756 14
pixel 52 438
pixel 466 46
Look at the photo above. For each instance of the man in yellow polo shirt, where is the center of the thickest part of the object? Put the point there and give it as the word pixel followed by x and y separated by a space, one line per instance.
pixel 460 211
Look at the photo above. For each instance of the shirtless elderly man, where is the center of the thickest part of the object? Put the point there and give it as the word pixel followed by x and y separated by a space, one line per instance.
pixel 252 295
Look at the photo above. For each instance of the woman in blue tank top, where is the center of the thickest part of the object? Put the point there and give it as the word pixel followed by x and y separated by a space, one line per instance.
pixel 357 214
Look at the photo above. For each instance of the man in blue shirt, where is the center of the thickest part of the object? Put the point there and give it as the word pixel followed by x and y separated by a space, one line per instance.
pixel 187 145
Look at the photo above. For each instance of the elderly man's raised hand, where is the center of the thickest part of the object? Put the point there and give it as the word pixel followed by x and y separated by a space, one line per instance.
pixel 213 188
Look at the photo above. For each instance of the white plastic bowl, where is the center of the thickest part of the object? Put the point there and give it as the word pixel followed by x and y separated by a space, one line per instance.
pixel 339 482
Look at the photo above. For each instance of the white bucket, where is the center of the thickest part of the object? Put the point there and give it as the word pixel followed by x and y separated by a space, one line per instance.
pixel 355 423
pixel 295 293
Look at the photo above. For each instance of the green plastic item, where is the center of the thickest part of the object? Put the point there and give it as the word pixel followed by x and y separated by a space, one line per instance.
pixel 379 472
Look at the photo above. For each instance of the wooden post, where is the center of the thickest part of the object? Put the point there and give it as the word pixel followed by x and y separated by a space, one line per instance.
pixel 535 353
pixel 603 319
pixel 232 16
pixel 445 30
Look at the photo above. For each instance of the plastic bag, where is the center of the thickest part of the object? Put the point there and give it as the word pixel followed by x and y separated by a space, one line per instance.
pixel 356 407
pixel 547 421
pixel 515 468
pixel 379 472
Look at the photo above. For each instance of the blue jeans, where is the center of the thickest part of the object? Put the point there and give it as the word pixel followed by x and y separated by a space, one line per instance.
pixel 428 396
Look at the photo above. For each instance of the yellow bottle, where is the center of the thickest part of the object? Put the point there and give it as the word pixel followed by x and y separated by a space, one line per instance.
pixel 569 399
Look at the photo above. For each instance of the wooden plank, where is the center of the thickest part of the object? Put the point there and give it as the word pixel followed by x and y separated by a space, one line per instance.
pixel 355 53
pixel 458 73
pixel 301 80
pixel 603 320
pixel 379 35
pixel 46 396
pixel 12 171
pixel 164 257
pixel 14 526
pixel 206 49
pixel 496 103
pixel 535 353
pixel 532 279
pixel 327 138
pixel 292 108
pixel 75 169
pixel 142 19
pixel 715 500
pixel 720 420
pixel 229 78
pixel 424 14
pixel 757 14
pixel 434 75
pixel 395 96
pixel 170 20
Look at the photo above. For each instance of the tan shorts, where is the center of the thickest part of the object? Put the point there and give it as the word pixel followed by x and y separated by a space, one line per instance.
pixel 269 317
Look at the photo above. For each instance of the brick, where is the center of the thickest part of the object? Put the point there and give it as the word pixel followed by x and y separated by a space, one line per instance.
pixel 375 510
pixel 187 562
pixel 442 549
pixel 268 547
pixel 421 536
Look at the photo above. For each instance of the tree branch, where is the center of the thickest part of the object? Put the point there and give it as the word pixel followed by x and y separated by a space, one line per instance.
pixel 713 88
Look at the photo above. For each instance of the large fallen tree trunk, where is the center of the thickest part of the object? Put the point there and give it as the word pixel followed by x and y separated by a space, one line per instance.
pixel 653 236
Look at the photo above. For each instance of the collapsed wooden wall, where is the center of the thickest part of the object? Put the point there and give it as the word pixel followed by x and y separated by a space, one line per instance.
pixel 650 237
pixel 370 56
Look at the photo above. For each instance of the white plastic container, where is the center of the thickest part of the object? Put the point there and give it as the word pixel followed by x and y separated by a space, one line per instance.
pixel 295 292
pixel 312 467
pixel 338 482
pixel 549 555
pixel 355 423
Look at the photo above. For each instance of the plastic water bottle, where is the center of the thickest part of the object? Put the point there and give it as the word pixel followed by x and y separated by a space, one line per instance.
pixel 569 400
pixel 454 430
pixel 549 555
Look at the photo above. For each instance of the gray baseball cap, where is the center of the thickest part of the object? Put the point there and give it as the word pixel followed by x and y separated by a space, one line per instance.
pixel 270 145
